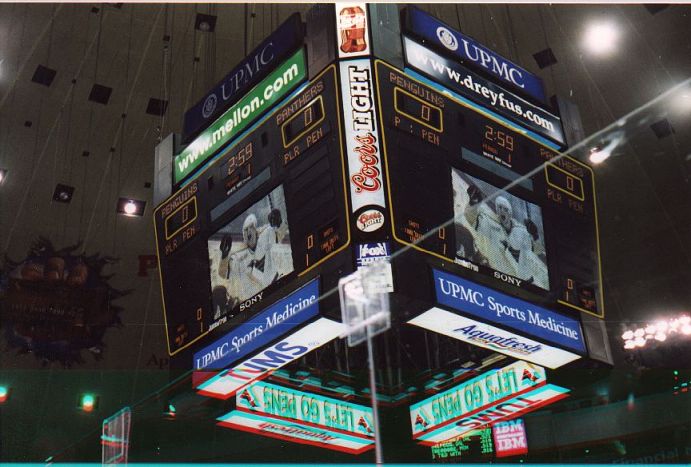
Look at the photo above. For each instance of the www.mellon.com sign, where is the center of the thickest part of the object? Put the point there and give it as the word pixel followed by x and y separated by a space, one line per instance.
pixel 240 116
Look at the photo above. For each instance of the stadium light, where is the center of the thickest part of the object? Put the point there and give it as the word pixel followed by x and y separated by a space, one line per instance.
pixel 131 207
pixel 88 402
pixel 601 38
pixel 659 331
pixel 4 394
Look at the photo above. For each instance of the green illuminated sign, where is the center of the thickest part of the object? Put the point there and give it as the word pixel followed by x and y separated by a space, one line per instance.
pixel 236 119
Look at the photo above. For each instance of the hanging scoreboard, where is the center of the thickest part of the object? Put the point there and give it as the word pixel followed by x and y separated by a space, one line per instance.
pixel 269 208
pixel 448 162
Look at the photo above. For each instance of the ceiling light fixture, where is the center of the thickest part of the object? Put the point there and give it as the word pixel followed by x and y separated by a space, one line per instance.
pixel 601 38
pixel 131 207
pixel 603 151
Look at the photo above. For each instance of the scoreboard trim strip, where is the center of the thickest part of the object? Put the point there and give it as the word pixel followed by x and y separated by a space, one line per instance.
pixel 501 122
pixel 224 151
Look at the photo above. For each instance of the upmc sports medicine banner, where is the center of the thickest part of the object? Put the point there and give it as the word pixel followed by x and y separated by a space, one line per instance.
pixel 362 139
pixel 288 349
pixel 496 307
pixel 254 67
pixel 483 391
pixel 472 86
pixel 492 338
pixel 469 50
pixel 261 329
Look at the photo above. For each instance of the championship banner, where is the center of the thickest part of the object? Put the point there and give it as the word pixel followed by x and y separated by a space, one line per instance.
pixel 474 395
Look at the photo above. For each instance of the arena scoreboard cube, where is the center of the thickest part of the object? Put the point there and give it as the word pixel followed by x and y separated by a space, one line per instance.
pixel 378 162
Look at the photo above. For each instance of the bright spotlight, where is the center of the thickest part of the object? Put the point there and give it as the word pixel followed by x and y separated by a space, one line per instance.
pixel 650 329
pixel 639 341
pixel 601 38
pixel 131 207
pixel 639 332
pixel 629 344
pixel 686 329
pixel 628 335
pixel 661 336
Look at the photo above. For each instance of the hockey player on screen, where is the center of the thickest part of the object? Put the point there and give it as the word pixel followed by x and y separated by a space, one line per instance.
pixel 260 242
pixel 510 246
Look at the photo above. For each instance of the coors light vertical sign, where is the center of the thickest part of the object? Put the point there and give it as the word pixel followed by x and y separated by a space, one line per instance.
pixel 352 29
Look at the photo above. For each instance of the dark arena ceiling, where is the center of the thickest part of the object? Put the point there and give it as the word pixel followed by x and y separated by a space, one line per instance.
pixel 87 91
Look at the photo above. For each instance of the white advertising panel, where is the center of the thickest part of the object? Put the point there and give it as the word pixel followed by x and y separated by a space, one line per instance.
pixel 362 141
pixel 295 432
pixel 352 27
pixel 492 338
pixel 288 349
pixel 474 395
pixel 511 408
pixel 312 409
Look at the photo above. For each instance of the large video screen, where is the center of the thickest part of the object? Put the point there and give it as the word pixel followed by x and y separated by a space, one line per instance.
pixel 269 208
pixel 496 229
pixel 249 254
pixel 485 198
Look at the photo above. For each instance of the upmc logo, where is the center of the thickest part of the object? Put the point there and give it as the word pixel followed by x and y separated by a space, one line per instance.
pixel 468 49
pixel 312 336
pixel 362 139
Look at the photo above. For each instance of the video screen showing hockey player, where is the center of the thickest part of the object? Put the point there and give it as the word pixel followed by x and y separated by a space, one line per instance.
pixel 504 233
pixel 249 254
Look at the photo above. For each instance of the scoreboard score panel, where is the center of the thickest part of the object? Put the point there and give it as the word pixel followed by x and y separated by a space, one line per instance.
pixel 537 239
pixel 270 207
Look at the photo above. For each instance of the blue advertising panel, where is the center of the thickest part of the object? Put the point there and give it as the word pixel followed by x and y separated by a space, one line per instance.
pixel 470 51
pixel 459 79
pixel 264 58
pixel 496 307
pixel 261 329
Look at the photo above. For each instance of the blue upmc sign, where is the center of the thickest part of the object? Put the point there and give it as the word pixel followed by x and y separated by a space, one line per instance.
pixel 470 51
pixel 261 329
pixel 496 307
pixel 258 63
